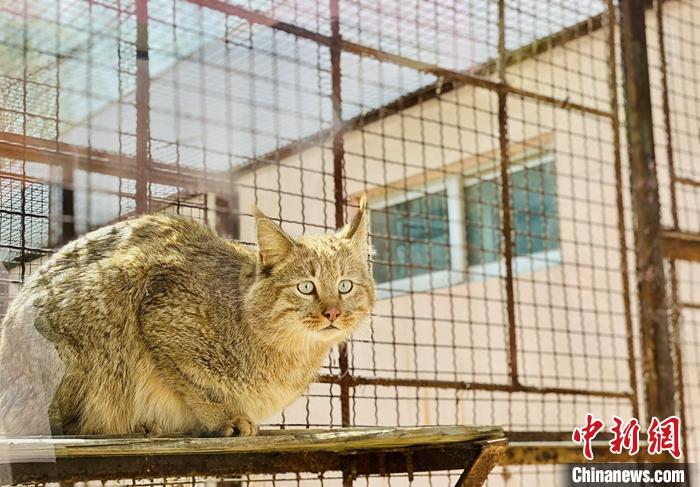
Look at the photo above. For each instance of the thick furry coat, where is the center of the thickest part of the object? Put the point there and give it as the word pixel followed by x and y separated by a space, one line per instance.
pixel 157 324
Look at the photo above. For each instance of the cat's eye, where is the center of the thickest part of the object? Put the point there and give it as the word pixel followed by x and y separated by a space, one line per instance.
pixel 306 287
pixel 345 286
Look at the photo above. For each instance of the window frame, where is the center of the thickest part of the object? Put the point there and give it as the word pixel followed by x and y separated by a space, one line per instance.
pixel 459 270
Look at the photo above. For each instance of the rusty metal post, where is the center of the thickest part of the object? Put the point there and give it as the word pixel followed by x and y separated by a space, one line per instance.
pixel 620 206
pixel 505 194
pixel 673 275
pixel 143 131
pixel 339 198
pixel 657 360
pixel 338 161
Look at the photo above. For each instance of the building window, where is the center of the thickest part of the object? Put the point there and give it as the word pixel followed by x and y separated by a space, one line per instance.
pixel 452 230
pixel 483 221
pixel 411 238
pixel 534 216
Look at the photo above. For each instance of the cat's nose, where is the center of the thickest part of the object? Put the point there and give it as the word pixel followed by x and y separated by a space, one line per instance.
pixel 331 313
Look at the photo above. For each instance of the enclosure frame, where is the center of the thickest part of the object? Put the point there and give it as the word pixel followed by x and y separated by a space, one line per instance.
pixel 654 246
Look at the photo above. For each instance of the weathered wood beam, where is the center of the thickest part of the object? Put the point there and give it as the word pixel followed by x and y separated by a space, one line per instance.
pixel 268 441
pixel 360 451
pixel 491 454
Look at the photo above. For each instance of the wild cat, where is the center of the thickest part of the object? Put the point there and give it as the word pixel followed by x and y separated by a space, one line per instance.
pixel 157 324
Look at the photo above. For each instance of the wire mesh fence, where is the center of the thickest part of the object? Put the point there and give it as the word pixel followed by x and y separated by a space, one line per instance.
pixel 486 136
pixel 672 41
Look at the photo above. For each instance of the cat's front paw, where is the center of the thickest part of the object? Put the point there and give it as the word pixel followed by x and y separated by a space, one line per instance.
pixel 240 426
pixel 244 427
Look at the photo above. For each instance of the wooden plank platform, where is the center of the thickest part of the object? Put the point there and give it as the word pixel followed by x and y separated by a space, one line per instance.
pixel 353 451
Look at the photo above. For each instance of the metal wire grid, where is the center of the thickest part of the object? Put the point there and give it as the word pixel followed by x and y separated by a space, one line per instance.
pixel 547 474
pixel 676 105
pixel 419 337
pixel 685 299
pixel 672 43
pixel 301 114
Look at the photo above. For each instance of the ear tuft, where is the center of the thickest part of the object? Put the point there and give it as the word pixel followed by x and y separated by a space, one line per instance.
pixel 257 212
pixel 274 245
pixel 357 230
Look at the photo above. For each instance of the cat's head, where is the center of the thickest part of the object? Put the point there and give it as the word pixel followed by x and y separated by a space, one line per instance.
pixel 317 288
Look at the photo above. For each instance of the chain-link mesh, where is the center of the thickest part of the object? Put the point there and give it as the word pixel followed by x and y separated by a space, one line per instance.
pixel 485 134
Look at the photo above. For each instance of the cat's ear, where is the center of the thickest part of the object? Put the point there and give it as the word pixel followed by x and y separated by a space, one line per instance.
pixel 358 228
pixel 273 244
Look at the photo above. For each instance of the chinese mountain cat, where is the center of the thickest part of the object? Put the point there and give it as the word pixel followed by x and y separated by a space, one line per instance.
pixel 158 325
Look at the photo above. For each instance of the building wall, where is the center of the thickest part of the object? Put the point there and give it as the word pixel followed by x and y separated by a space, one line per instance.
pixel 569 315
